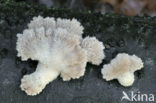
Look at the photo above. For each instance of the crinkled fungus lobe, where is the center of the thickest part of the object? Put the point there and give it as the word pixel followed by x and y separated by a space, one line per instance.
pixel 95 50
pixel 60 49
pixel 122 68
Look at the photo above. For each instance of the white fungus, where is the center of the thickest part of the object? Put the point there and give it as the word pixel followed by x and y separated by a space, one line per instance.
pixel 60 50
pixel 95 50
pixel 122 68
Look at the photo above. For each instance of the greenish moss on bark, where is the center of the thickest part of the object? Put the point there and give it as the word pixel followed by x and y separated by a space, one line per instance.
pixel 119 33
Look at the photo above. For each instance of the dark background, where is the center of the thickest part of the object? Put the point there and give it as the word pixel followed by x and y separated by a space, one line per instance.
pixel 133 35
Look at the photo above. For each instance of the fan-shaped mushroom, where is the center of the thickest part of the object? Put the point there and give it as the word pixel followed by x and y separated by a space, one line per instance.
pixel 122 68
pixel 60 50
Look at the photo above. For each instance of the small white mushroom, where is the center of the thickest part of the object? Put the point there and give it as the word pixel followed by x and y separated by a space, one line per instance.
pixel 56 44
pixel 122 68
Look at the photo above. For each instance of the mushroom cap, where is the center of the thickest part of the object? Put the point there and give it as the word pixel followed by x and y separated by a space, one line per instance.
pixel 94 48
pixel 121 65
pixel 48 41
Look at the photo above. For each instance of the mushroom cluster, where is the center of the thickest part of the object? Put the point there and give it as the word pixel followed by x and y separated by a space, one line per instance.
pixel 60 49
pixel 58 46
pixel 122 68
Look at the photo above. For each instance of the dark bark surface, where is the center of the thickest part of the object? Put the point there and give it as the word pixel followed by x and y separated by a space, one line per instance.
pixel 133 35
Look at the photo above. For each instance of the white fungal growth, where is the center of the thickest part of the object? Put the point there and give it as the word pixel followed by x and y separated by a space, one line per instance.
pixel 94 50
pixel 122 68
pixel 34 83
pixel 57 45
pixel 72 26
